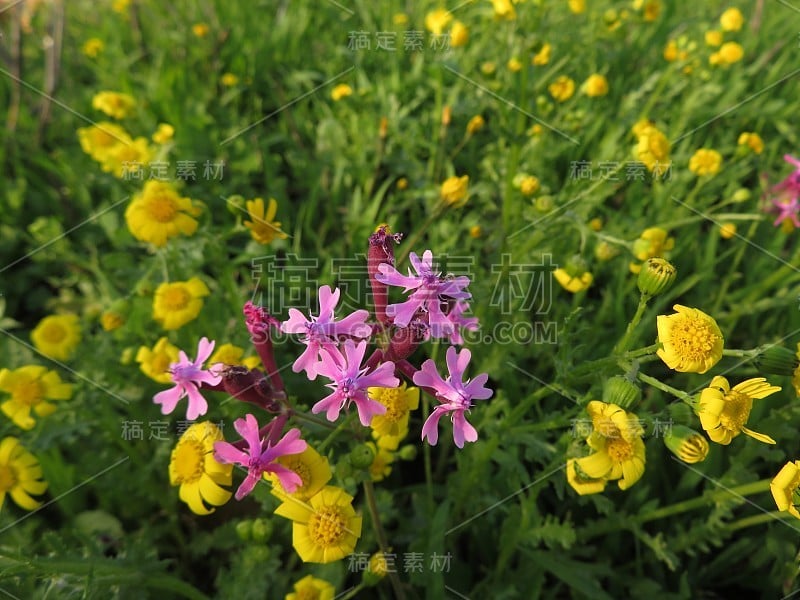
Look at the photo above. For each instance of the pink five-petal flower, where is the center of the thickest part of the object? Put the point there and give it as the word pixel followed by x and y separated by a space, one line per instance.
pixel 457 318
pixel 322 332
pixel 429 289
pixel 187 375
pixel 454 394
pixel 260 457
pixel 786 195
pixel 350 382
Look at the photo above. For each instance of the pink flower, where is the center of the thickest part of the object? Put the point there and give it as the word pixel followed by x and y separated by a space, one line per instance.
pixel 323 332
pixel 457 318
pixel 260 457
pixel 787 202
pixel 187 375
pixel 430 288
pixel 350 382
pixel 454 395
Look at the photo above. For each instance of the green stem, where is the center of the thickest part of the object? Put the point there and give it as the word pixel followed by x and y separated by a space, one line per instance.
pixel 419 232
pixel 426 456
pixel 622 345
pixel 352 593
pixel 380 534
pixel 679 394
pixel 758 520
pixel 315 420
pixel 328 440
pixel 749 354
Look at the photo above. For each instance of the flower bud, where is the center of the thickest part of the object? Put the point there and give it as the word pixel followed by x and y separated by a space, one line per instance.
pixel 361 456
pixel 656 276
pixel 680 413
pixel 380 251
pixel 376 569
pixel 741 195
pixel 236 205
pixel 261 530
pixel 405 340
pixel 244 530
pixel 777 360
pixel 621 391
pixel 407 452
pixel 687 444
pixel 249 386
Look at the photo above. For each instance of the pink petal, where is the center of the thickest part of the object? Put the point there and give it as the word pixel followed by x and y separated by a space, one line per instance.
pixel 331 363
pixel 331 404
pixel 296 323
pixel 391 276
pixel 354 324
pixel 169 399
pixel 197 404
pixel 462 430
pixel 327 303
pixel 248 484
pixel 204 350
pixel 428 376
pixel 308 361
pixel 403 313
pixel 289 444
pixel 475 388
pixel 382 376
pixel 226 453
pixel 457 363
pixel 290 480
pixel 431 427
pixel 368 408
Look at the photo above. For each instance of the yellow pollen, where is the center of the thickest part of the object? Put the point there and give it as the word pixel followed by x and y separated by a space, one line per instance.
pixel 307 593
pixel 162 209
pixel 30 393
pixel 8 478
pixel 176 298
pixel 619 450
pixel 693 338
pixel 396 403
pixel 54 333
pixel 188 460
pixel 326 527
pixel 736 411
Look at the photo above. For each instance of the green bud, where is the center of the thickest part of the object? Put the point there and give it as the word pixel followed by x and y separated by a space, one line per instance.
pixel 777 360
pixel 576 266
pixel 741 195
pixel 127 356
pixel 544 203
pixel 244 530
pixel 621 391
pixel 261 530
pixel 236 205
pixel 681 413
pixel 376 569
pixel 361 456
pixel 687 444
pixel 98 522
pixel 407 452
pixel 656 276
pixel 144 288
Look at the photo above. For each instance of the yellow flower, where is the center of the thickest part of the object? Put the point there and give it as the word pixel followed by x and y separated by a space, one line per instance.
pixel 653 150
pixel 784 488
pixel 30 388
pixel 400 19
pixel 228 354
pixel 99 139
pixel 382 461
pixel 229 79
pixel 155 363
pixel 705 162
pixel 752 141
pixel 727 230
pixel 20 475
pixel 573 283
pixel 111 320
pixel 124 158
pixel 341 91
pixel 729 53
pixel 542 57
pixel 402 184
pixel 459 34
pixel 475 232
pixel 605 251
pixel 57 336
pixel 687 444
pixel 580 482
pixel 324 529
pixel 713 38
pixel 399 401
pixel 723 410
pixel 616 439
pixel 310 466
pixel 192 466
pixel 311 588
pixel 596 85
pixel 654 242
pixel 536 130
pixel 596 224
pixel 731 20
pixel 378 565
pixel 514 65
pixel 200 29
pixel 475 124
pixel 529 185
pixel 120 6
pixel 164 133
pixel 692 341
pixel 92 47
pixel 651 10
pixel 262 227
pixel 175 304
pixel 437 20
pixel 159 213
pixel 562 88
pixel 671 51
pixel 488 67
pixel 504 10
pixel 454 190
pixel 114 104
pixel 577 6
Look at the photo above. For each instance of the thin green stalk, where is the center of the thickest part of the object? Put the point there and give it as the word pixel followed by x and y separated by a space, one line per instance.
pixel 769 517
pixel 315 420
pixel 622 345
pixel 352 593
pixel 380 535
pixel 679 394
pixel 328 440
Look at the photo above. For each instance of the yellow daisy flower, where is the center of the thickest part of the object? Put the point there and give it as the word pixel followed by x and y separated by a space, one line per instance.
pixel 20 475
pixel 731 20
pixel 751 140
pixel 596 85
pixel 341 91
pixel 399 401
pixel 705 162
pixel 123 159
pixel 97 140
pixel 310 466
pixel 200 30
pixel 562 88
pixel 229 79
pixel 311 588
pixel 454 190
pixel 262 227
pixel 155 363
pixel 713 38
pixel 616 439
pixel 159 213
pixel 324 529
pixel 784 488
pixel 653 150
pixel 382 461
pixel 192 466
pixel 504 10
pixel 475 124
pixel 176 304
pixel 573 283
pixel 654 242
pixel 437 20
pixel 114 104
pixel 577 7
pixel 723 410
pixel 30 387
pixel 691 340
pixel 388 441
pixel 459 34
pixel 580 482
pixel 92 47
pixel 542 57
pixel 57 336
pixel 164 133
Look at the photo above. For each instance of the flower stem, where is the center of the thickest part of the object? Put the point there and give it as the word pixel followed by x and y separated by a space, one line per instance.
pixel 311 419
pixel 328 440
pixel 622 345
pixel 679 394
pixel 749 354
pixel 380 535
pixel 352 593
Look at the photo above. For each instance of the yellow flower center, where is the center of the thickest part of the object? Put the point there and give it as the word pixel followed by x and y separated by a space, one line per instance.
pixel 307 593
pixel 53 333
pixel 188 460
pixel 619 450
pixel 736 411
pixel 8 478
pixel 30 393
pixel 327 526
pixel 160 363
pixel 396 403
pixel 176 298
pixel 301 468
pixel 693 338
pixel 162 209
